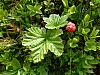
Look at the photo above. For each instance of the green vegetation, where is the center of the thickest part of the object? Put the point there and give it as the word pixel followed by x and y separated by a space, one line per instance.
pixel 34 39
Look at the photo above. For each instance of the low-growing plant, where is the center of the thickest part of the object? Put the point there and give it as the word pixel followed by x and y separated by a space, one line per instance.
pixel 49 37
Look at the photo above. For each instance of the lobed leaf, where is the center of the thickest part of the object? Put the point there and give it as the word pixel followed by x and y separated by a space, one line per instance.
pixel 40 41
pixel 55 21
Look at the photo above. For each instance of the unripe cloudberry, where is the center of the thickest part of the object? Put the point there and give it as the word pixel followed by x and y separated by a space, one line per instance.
pixel 71 27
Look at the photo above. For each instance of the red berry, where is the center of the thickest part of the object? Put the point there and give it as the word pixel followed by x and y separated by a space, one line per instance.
pixel 71 27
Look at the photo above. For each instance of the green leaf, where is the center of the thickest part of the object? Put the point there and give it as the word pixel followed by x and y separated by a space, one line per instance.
pixel 80 72
pixel 98 45
pixel 87 18
pixel 67 73
pixel 55 21
pixel 98 10
pixel 19 72
pixel 65 2
pixel 73 45
pixel 12 72
pixel 54 33
pixel 1 34
pixel 3 14
pixel 86 37
pixel 72 42
pixel 80 29
pixel 72 9
pixel 34 36
pixel 34 9
pixel 40 41
pixel 15 63
pixel 94 61
pixel 55 45
pixel 32 72
pixel 76 60
pixel 97 1
pixel 88 57
pixel 42 71
pixel 76 39
pixel 30 7
pixel 26 66
pixel 85 31
pixel 88 71
pixel 24 73
pixel 87 66
pixel 90 45
pixel 91 4
pixel 94 33
pixel 81 0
